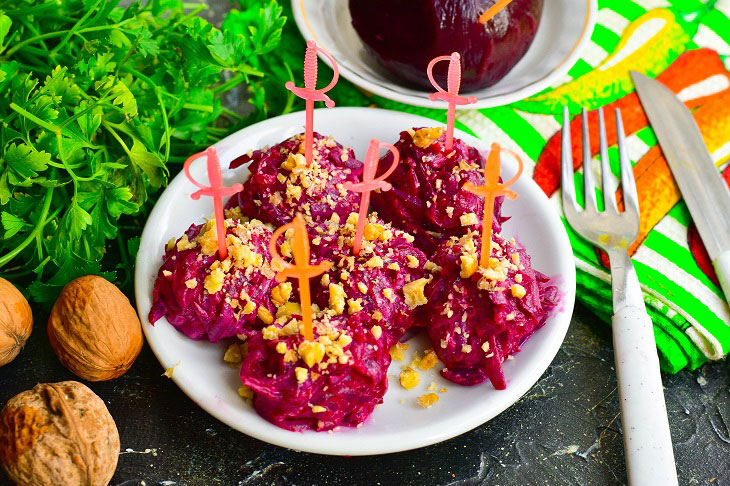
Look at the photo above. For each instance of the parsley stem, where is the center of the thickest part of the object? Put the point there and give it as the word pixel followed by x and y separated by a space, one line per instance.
pixel 198 107
pixel 59 33
pixel 119 139
pixel 163 110
pixel 231 83
pixel 30 116
pixel 233 114
pixel 39 226
pixel 90 10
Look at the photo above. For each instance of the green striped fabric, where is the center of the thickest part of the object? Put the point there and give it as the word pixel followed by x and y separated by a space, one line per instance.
pixel 691 318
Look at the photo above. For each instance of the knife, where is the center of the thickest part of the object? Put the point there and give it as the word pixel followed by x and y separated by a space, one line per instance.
pixel 705 193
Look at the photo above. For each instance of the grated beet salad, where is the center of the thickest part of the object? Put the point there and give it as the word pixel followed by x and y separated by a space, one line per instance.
pixel 475 317
pixel 427 199
pixel 478 317
pixel 280 184
pixel 337 379
pixel 205 298
pixel 380 287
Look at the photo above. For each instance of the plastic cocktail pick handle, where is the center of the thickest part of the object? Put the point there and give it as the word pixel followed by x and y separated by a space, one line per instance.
pixel 310 93
pixel 489 191
pixel 370 183
pixel 493 10
pixel 452 95
pixel 215 190
pixel 301 268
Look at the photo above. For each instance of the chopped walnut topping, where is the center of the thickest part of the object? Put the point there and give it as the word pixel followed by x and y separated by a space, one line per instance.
pixel 413 292
pixel 301 373
pixel 249 307
pixel 429 360
pixel 311 352
pixel 425 136
pixel 412 261
pixel 427 400
pixel 376 331
pixel 214 281
pixel 185 244
pixel 469 265
pixel 281 293
pixel 265 316
pixel 354 305
pixel 374 262
pixel 397 352
pixel 233 354
pixel 245 392
pixel 518 291
pixel 337 298
pixel 409 378
pixel 468 219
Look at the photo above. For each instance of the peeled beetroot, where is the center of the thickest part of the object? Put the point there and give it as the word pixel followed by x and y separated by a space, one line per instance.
pixel 404 35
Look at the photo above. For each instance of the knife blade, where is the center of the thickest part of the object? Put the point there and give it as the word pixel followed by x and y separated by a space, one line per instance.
pixel 703 190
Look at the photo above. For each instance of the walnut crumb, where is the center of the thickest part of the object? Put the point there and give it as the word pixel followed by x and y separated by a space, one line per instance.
pixel 427 400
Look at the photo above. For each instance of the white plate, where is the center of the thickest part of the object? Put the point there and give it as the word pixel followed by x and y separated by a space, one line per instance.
pixel 199 369
pixel 565 29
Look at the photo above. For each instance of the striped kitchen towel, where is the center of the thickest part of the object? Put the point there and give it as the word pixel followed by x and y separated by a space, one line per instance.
pixel 686 44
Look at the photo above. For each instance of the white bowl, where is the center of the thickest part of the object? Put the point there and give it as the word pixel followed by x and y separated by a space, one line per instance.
pixel 199 369
pixel 565 28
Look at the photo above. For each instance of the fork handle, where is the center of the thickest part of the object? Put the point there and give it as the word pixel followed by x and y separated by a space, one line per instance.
pixel 647 440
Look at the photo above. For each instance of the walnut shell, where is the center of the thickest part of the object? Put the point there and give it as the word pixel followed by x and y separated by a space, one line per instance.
pixel 16 321
pixel 94 329
pixel 58 433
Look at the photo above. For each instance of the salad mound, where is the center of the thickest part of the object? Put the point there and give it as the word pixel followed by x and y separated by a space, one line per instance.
pixel 206 298
pixel 337 379
pixel 380 287
pixel 428 199
pixel 282 185
pixel 479 316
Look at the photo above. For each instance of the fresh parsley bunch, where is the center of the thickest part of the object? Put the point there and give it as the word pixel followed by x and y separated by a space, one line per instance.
pixel 96 102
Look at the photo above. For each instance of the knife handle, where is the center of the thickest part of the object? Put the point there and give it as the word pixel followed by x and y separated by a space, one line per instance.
pixel 722 269
pixel 647 440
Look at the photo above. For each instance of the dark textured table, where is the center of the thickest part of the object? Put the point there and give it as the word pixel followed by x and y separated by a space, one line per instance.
pixel 565 430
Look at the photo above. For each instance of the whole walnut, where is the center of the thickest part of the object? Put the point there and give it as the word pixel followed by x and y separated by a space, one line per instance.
pixel 58 433
pixel 16 321
pixel 94 329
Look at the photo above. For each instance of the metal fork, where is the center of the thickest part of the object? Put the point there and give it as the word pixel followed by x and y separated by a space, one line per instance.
pixel 647 440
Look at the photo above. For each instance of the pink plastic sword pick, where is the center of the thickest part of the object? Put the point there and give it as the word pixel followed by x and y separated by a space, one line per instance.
pixel 310 93
pixel 489 191
pixel 452 95
pixel 301 268
pixel 370 183
pixel 215 190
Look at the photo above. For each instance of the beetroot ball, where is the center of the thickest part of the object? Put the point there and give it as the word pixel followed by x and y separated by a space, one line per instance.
pixel 428 199
pixel 337 379
pixel 280 184
pixel 206 298
pixel 481 316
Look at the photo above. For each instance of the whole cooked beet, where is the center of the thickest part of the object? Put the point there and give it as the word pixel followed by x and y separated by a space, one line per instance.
pixel 404 35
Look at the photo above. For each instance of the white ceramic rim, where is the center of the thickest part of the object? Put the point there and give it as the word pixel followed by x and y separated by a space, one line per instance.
pixel 483 102
pixel 341 443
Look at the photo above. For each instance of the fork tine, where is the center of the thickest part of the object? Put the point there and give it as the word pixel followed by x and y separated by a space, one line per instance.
pixel 567 182
pixel 631 198
pixel 607 185
pixel 589 183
